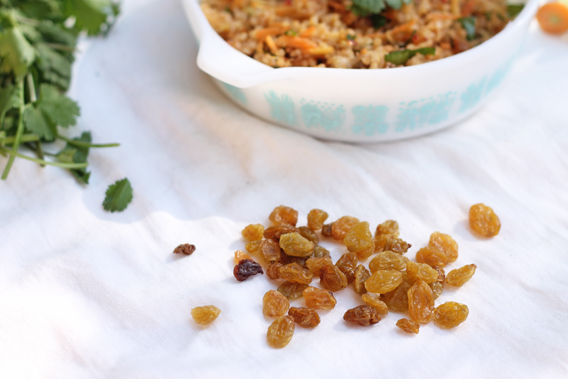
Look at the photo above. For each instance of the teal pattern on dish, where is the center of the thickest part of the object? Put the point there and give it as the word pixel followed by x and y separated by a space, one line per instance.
pixel 236 93
pixel 470 98
pixel 370 120
pixel 326 116
pixel 418 113
pixel 281 108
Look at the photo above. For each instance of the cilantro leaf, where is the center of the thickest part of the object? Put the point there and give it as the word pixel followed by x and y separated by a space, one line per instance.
pixel 90 15
pixel 400 57
pixel 36 122
pixel 60 109
pixel 8 99
pixel 53 66
pixel 16 53
pixel 468 23
pixel 513 10
pixel 368 6
pixel 118 196
pixel 378 21
pixel 77 154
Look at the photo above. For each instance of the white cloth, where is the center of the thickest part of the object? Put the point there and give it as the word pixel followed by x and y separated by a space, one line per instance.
pixel 85 293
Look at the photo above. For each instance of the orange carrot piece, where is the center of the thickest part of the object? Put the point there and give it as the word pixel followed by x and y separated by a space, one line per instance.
pixel 303 44
pixel 261 34
pixel 308 32
pixel 553 18
pixel 467 9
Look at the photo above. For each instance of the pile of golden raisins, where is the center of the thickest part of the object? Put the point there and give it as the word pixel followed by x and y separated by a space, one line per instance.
pixel 390 283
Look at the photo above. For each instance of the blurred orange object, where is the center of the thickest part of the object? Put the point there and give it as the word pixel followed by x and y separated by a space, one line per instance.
pixel 553 18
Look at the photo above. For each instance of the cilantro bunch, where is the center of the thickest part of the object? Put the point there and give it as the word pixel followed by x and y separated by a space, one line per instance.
pixel 37 45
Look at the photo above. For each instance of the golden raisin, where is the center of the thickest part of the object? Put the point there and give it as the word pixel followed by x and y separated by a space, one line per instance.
pixel 295 245
pixel 253 232
pixel 383 281
pixel 409 326
pixel 397 245
pixel 388 260
pixel 421 271
pixel 299 260
pixel 420 302
pixel 389 227
pixel 315 264
pixel 397 300
pixel 320 252
pixel 284 215
pixel 253 247
pixel 359 240
pixel 273 270
pixel 340 227
pixel 363 315
pixel 185 249
pixel 274 304
pixel 308 234
pixel 293 272
pixel 270 250
pixel 326 230
pixel 319 299
pixel 432 257
pixel 381 241
pixel 347 263
pixel 280 332
pixel 240 255
pixel 205 315
pixel 459 276
pixel 374 300
pixel 274 232
pixel 437 289
pixel 316 218
pixel 445 244
pixel 361 275
pixel 450 314
pixel 483 220
pixel 332 278
pixel 292 290
pixel 305 317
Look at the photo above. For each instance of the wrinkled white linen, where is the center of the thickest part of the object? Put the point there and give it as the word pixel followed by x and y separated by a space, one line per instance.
pixel 85 293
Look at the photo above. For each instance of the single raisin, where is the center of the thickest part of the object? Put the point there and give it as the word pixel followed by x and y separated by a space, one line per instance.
pixel 409 326
pixel 305 317
pixel 420 302
pixel 459 276
pixel 316 218
pixel 441 274
pixel 326 230
pixel 320 252
pixel 445 244
pixel 293 272
pixel 359 240
pixel 240 255
pixel 273 270
pixel 280 332
pixel 274 232
pixel 361 275
pixel 300 260
pixel 483 220
pixel 381 241
pixel 284 215
pixel 274 304
pixel 363 315
pixel 308 234
pixel 421 271
pixel 270 250
pixel 185 249
pixel 331 278
pixel 205 315
pixel 253 232
pixel 374 300
pixel 246 268
pixel 450 314
pixel 340 227
pixel 292 290
pixel 389 227
pixel 397 300
pixel 315 264
pixel 397 245
pixel 388 260
pixel 295 245
pixel 383 281
pixel 319 299
pixel 432 257
pixel 347 263
pixel 437 289
pixel 253 247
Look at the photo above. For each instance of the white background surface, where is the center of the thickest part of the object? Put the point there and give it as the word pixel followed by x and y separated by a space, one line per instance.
pixel 85 293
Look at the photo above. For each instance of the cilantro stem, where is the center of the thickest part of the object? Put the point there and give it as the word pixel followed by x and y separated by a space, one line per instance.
pixel 59 46
pixel 23 139
pixel 31 87
pixel 19 133
pixel 43 162
pixel 86 144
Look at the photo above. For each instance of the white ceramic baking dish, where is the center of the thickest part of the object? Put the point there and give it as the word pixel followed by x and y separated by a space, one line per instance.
pixel 362 105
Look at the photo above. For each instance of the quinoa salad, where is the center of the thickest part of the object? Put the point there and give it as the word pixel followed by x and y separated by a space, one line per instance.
pixel 355 34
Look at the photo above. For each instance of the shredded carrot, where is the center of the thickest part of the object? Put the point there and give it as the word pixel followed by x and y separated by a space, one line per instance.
pixel 303 44
pixel 468 7
pixel 261 34
pixel 553 18
pixel 320 50
pixel 308 32
pixel 271 45
pixel 445 45
pixel 402 33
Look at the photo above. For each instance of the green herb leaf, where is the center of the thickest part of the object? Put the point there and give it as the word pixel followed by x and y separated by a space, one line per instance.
pixel 468 23
pixel 60 109
pixel 118 196
pixel 400 57
pixel 378 21
pixel 8 99
pixel 513 10
pixel 36 123
pixel 90 15
pixel 16 53
pixel 368 6
pixel 76 154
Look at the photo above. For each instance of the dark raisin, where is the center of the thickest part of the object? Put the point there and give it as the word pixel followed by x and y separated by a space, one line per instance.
pixel 246 268
pixel 185 249
pixel 363 315
pixel 326 230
